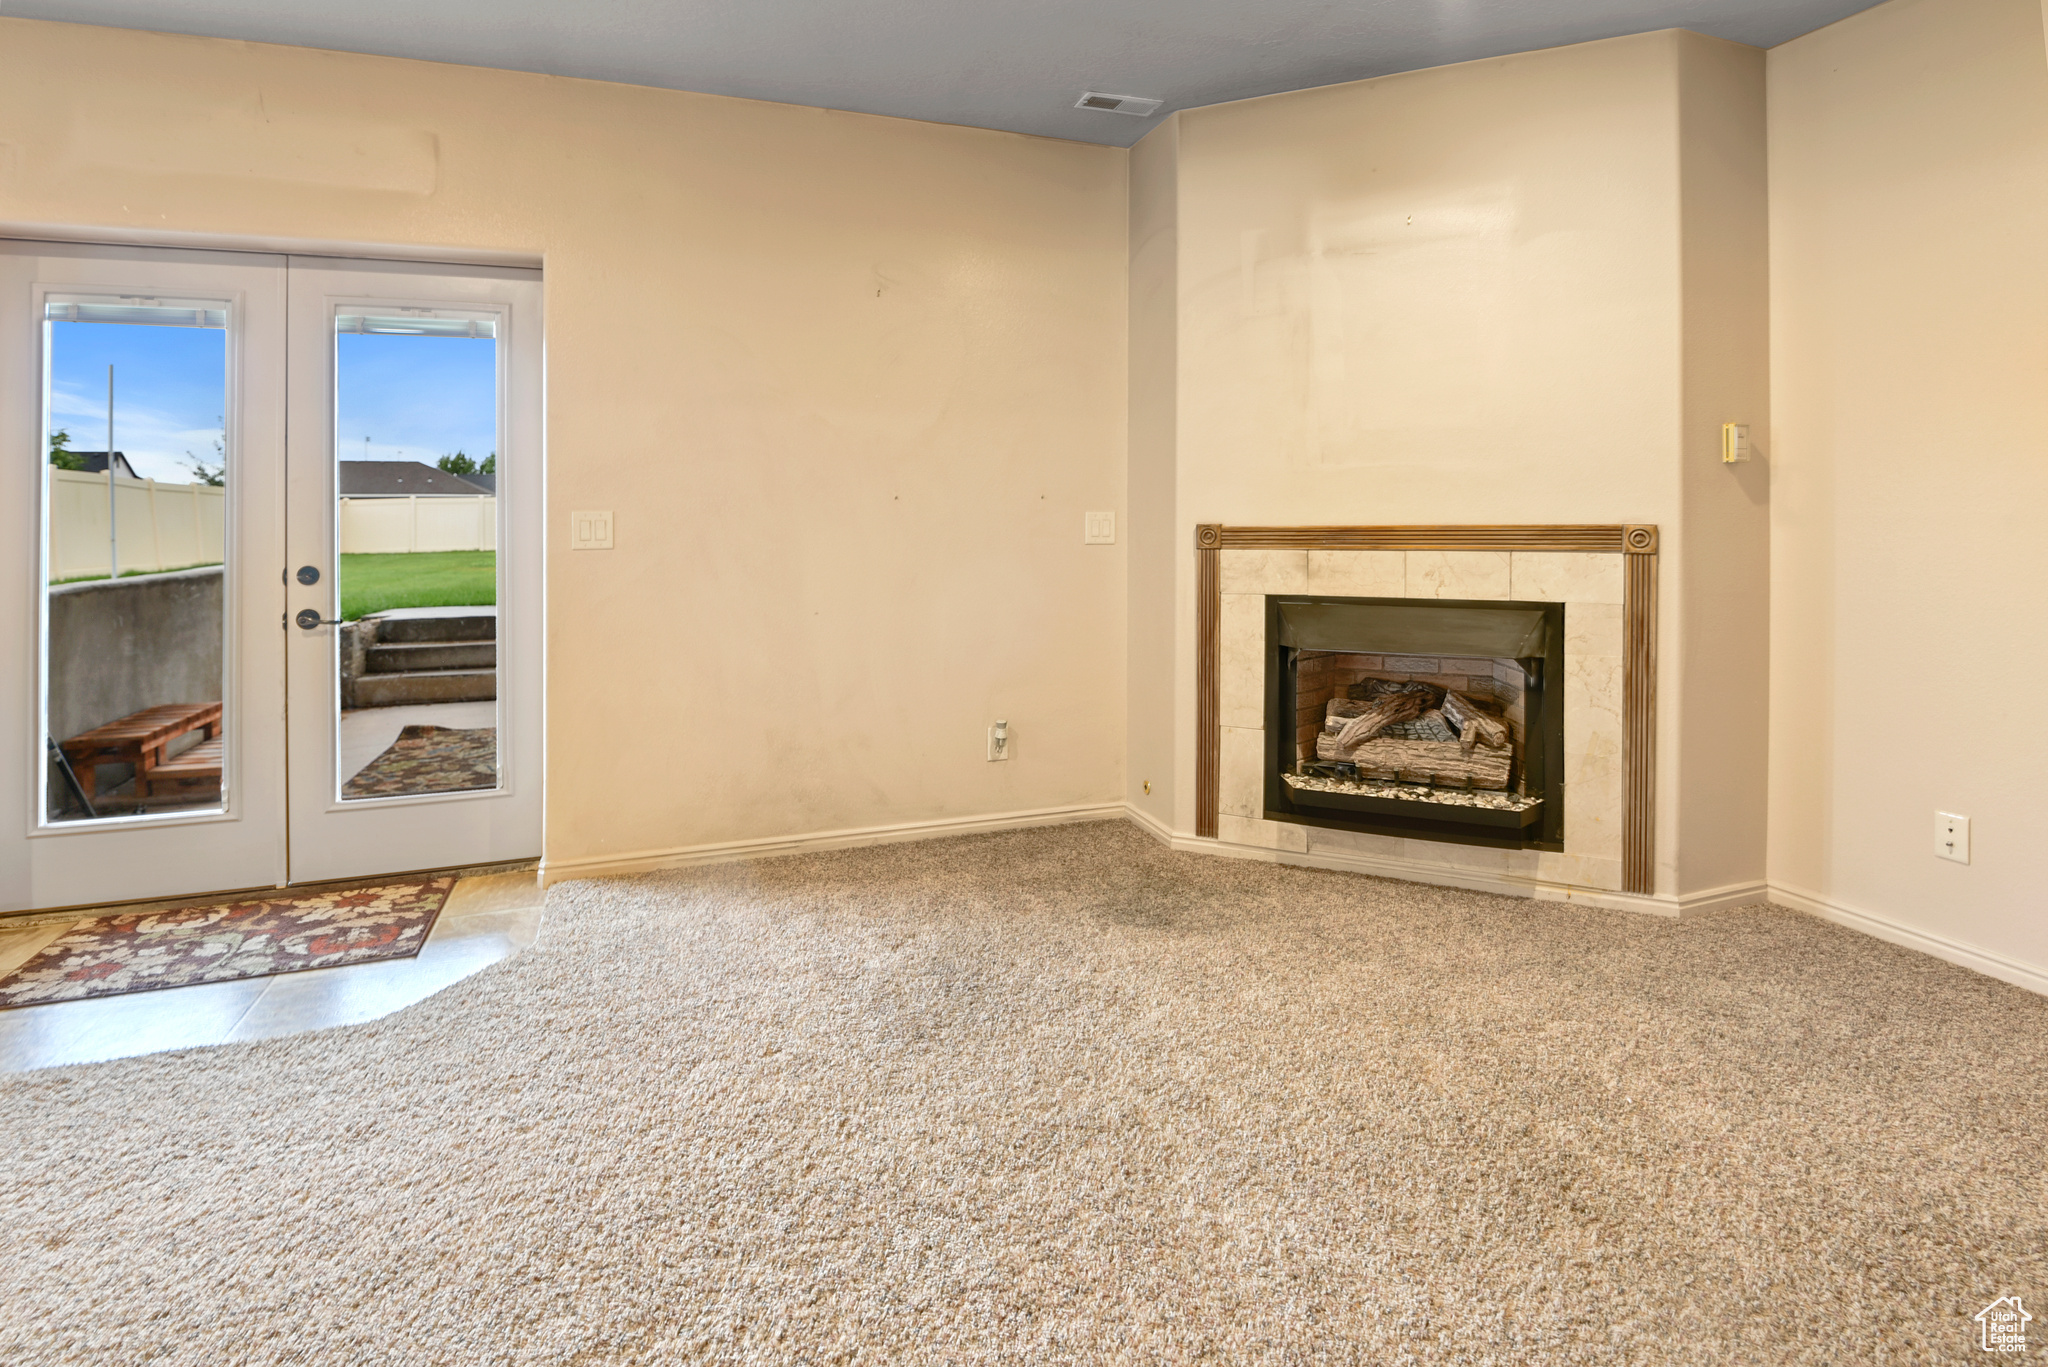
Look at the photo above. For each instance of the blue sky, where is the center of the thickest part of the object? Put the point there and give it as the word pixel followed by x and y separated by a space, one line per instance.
pixel 415 398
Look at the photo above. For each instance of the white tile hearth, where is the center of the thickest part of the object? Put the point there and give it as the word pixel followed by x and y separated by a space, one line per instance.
pixel 1265 835
pixel 1458 574
pixel 1358 574
pixel 1264 572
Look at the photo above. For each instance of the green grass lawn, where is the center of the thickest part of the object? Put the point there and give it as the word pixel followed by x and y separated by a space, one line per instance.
pixel 420 579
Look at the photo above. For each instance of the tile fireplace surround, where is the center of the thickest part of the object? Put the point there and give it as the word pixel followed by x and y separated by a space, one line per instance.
pixel 1605 575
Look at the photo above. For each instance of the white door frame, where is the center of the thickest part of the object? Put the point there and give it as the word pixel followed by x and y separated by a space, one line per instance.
pixel 280 823
pixel 45 864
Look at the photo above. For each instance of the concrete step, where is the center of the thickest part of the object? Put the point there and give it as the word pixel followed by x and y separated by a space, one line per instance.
pixel 412 657
pixel 418 630
pixel 435 685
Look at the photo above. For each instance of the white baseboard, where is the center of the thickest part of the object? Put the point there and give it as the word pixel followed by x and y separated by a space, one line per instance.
pixel 1989 962
pixel 647 861
pixel 1149 824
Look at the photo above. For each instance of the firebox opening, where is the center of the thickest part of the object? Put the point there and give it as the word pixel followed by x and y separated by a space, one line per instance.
pixel 1425 719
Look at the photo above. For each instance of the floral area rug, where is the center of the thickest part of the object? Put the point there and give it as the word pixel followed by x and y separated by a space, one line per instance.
pixel 430 759
pixel 108 956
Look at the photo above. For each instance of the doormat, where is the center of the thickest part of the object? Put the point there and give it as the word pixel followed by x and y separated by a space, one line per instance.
pixel 430 759
pixel 110 956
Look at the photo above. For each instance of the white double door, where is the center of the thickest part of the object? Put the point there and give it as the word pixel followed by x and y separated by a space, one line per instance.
pixel 182 710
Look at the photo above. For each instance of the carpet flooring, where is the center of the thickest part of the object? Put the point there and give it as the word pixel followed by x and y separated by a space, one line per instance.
pixel 1062 1095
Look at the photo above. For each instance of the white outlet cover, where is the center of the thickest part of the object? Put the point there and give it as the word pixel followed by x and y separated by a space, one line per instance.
pixel 1952 837
pixel 590 531
pixel 1098 529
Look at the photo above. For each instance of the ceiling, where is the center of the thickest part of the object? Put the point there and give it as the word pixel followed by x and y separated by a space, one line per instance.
pixel 1011 64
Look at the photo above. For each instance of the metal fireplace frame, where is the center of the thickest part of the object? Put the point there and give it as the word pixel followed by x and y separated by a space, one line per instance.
pixel 1542 761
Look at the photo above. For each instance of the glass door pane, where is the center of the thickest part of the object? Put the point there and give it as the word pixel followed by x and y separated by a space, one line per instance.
pixel 135 569
pixel 416 521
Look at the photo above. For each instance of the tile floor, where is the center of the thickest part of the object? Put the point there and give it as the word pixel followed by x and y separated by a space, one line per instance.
pixel 487 918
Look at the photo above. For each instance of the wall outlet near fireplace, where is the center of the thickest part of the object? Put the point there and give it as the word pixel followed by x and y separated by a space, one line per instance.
pixel 999 741
pixel 1952 836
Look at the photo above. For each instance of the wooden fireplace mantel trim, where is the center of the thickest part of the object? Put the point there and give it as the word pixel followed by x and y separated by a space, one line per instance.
pixel 1636 543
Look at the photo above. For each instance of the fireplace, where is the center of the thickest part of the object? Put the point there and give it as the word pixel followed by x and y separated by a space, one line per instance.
pixel 1439 719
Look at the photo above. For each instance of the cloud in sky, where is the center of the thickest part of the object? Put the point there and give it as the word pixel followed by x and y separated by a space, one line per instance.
pixel 415 398
pixel 156 442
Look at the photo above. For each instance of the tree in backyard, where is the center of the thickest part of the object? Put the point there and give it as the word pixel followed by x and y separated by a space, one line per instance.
pixel 490 465
pixel 457 464
pixel 61 454
pixel 214 474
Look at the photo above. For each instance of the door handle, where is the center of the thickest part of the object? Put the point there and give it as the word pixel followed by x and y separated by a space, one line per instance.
pixel 309 618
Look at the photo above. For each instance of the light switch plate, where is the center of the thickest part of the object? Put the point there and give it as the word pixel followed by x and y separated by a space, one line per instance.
pixel 590 531
pixel 1098 529
pixel 1952 836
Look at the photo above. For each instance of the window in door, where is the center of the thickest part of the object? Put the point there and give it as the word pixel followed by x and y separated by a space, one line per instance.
pixel 135 551
pixel 417 394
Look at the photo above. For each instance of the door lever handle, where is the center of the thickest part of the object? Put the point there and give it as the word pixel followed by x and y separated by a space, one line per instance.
pixel 309 618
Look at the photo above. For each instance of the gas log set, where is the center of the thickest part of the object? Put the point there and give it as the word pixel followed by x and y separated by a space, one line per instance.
pixel 1408 731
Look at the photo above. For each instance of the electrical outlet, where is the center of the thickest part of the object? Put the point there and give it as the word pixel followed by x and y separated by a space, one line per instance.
pixel 999 741
pixel 1952 836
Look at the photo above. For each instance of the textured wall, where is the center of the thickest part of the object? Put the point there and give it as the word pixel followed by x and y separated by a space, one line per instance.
pixel 848 383
pixel 1909 205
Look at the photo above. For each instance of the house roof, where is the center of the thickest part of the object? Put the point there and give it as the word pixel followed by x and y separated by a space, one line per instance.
pixel 400 478
pixel 487 483
pixel 96 463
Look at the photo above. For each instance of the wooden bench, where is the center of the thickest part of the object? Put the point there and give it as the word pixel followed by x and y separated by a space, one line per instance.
pixel 192 773
pixel 139 739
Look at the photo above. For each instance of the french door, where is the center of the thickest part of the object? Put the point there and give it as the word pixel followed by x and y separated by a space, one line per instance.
pixel 272 581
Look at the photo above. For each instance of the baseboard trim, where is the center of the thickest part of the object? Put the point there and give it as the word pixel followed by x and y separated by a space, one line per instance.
pixel 1149 824
pixel 685 856
pixel 1989 962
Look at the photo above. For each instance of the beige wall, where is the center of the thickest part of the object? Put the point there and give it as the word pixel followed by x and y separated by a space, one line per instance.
pixel 1461 295
pixel 1155 548
pixel 1722 563
pixel 849 384
pixel 1909 205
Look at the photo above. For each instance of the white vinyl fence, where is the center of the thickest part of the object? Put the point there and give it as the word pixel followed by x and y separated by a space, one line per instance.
pixel 167 526
pixel 411 523
pixel 162 526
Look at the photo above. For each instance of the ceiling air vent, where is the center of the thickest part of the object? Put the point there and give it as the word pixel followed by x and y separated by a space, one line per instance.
pixel 1136 105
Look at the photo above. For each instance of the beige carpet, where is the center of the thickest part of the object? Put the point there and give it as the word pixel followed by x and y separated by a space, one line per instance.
pixel 1063 1096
